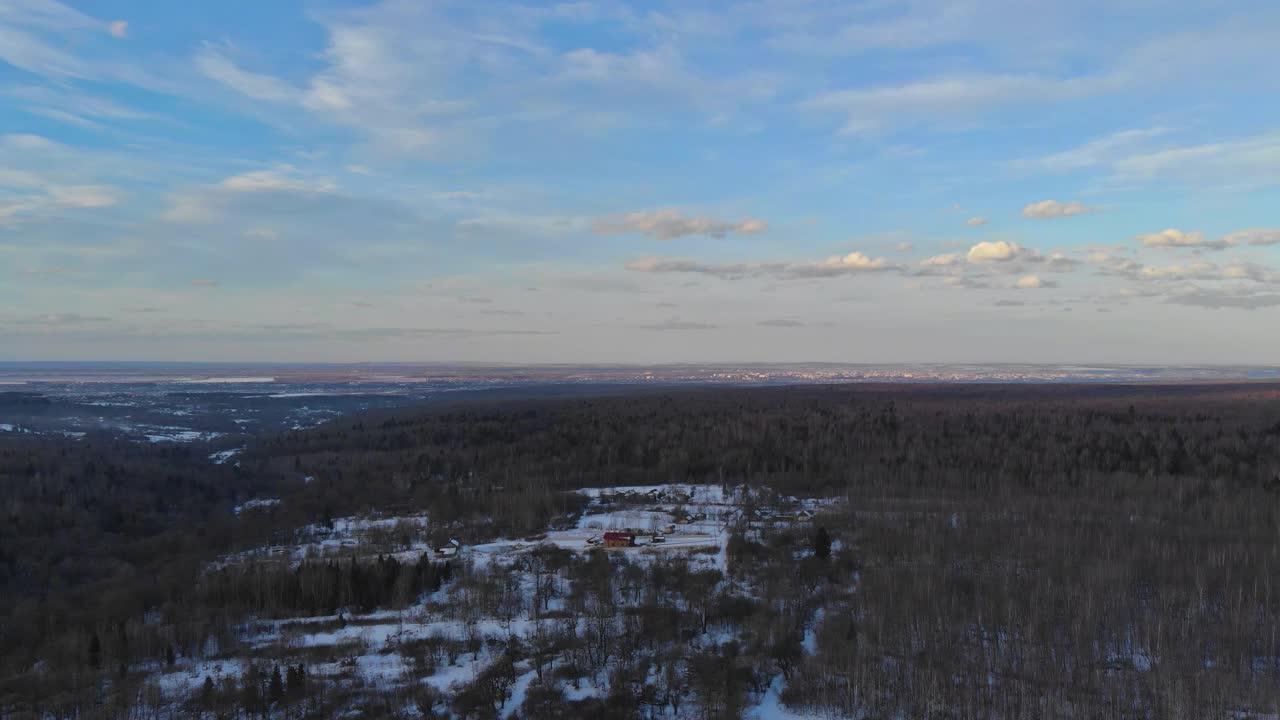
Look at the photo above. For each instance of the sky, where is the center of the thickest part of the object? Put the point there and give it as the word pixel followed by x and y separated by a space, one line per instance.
pixel 641 182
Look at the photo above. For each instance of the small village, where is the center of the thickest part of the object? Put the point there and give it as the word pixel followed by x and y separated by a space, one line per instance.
pixel 653 529
pixel 643 518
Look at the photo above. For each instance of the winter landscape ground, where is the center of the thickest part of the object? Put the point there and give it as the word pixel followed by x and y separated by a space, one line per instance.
pixel 836 551
pixel 447 639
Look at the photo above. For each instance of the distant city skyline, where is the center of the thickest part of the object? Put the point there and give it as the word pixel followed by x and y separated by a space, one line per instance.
pixel 641 182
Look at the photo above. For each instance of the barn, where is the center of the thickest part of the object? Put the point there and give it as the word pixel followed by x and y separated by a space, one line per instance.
pixel 619 539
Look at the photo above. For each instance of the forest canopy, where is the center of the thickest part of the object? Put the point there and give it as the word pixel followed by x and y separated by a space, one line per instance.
pixel 996 550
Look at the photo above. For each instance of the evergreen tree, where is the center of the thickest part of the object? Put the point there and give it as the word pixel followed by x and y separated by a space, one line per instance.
pixel 822 544
pixel 277 685
pixel 293 681
pixel 95 652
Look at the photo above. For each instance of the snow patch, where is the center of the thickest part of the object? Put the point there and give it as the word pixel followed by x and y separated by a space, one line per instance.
pixel 179 436
pixel 518 692
pixel 257 504
pixel 222 456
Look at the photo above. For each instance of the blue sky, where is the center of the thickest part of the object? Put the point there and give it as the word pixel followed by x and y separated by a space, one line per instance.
pixel 767 180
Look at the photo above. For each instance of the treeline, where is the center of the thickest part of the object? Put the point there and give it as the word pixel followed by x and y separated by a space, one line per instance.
pixel 320 587
pixel 989 439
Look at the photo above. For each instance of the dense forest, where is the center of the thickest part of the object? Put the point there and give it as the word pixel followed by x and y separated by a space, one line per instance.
pixel 985 551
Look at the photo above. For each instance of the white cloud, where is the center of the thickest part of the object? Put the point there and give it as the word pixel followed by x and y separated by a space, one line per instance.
pixel 968 283
pixel 944 100
pixel 1178 272
pixel 855 261
pixel 51 40
pixel 1100 151
pixel 261 234
pixel 1243 162
pixel 1057 35
pixel 188 209
pixel 1247 162
pixel 673 265
pixel 71 105
pixel 207 203
pixel 118 28
pixel 216 66
pixel 977 221
pixel 995 251
pixel 1254 236
pixel 1171 238
pixel 28 52
pixel 849 264
pixel 283 180
pixel 1050 209
pixel 672 224
pixel 1174 238
pixel 946 260
pixel 526 224
pixel 1248 271
pixel 919 25
pixel 658 73
pixel 84 196
pixel 1031 282
pixel 35 192
pixel 419 80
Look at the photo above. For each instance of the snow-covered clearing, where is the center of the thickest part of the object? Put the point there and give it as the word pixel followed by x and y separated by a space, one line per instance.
pixel 258 504
pixel 399 536
pixel 445 640
pixel 771 707
pixel 183 682
pixel 223 456
pixel 180 435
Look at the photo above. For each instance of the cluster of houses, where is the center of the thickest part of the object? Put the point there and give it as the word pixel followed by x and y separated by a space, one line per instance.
pixel 670 496
pixel 770 515
pixel 686 518
pixel 621 539
pixel 663 495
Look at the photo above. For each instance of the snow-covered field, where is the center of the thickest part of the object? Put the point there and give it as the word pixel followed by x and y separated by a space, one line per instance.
pixel 402 537
pixel 180 435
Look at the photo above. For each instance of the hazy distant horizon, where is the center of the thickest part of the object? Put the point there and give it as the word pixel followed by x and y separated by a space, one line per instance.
pixel 16 374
